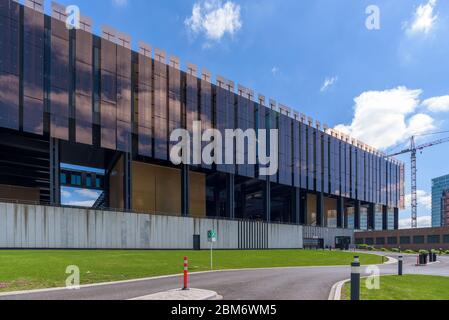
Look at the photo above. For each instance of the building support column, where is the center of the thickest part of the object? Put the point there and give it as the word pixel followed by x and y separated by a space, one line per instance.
pixel 357 215
pixel 396 219
pixel 371 217
pixel 127 197
pixel 230 194
pixel 55 190
pixel 320 209
pixel 340 212
pixel 384 218
pixel 267 199
pixel 296 207
pixel 303 208
pixel 185 197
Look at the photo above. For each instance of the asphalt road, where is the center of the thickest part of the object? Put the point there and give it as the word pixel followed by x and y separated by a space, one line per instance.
pixel 305 283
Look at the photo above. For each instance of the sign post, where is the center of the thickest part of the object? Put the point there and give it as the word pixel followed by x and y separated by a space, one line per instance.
pixel 211 237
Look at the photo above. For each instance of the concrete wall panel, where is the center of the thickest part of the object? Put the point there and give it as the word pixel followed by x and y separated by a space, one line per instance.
pixel 29 226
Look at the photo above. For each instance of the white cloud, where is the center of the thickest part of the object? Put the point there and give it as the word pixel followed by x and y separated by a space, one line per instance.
pixel 274 70
pixel 423 222
pixel 424 199
pixel 89 194
pixel 424 19
pixel 214 19
pixel 120 3
pixel 437 104
pixel 65 194
pixel 87 204
pixel 383 119
pixel 328 82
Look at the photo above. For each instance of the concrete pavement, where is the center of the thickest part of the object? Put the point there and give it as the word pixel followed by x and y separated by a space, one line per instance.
pixel 302 283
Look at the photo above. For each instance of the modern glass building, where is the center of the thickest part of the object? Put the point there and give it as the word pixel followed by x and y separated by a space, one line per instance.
pixel 439 186
pixel 72 97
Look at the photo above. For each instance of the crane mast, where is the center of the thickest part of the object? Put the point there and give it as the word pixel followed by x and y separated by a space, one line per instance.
pixel 414 185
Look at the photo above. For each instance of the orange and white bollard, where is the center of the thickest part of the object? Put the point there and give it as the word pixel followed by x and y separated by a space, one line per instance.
pixel 186 273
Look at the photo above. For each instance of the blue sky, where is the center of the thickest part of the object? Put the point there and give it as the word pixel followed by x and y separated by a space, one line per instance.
pixel 318 57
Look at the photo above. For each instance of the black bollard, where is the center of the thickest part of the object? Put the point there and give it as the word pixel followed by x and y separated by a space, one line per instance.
pixel 400 265
pixel 355 279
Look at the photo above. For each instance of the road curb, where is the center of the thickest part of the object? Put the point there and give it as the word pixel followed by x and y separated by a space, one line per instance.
pixel 335 293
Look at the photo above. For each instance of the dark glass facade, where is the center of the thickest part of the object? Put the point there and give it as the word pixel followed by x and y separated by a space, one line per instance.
pixel 103 94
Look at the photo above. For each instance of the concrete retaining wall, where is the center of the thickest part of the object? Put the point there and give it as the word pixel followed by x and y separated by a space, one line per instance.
pixel 327 234
pixel 31 226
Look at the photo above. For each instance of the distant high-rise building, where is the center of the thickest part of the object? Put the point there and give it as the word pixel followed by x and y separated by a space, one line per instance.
pixel 445 208
pixel 439 186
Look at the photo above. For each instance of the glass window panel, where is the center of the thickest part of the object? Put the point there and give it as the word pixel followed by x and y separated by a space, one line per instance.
pixel 123 136
pixel 318 161
pixel 145 109
pixel 303 141
pixel 296 155
pixel 353 172
pixel 83 87
pixel 310 158
pixel 245 121
pixel 9 101
pixel 108 125
pixel 160 111
pixel 33 121
pixel 192 114
pixel 33 71
pixel 283 146
pixel 9 44
pixel 206 115
pixel 108 56
pixel 225 119
pixel 59 97
pixel 174 102
pixel 83 119
pixel 59 114
pixel 326 163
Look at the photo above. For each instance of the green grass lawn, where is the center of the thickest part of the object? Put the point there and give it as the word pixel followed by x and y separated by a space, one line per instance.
pixel 22 270
pixel 408 287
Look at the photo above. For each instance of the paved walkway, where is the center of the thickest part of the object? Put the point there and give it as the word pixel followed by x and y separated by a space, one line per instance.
pixel 303 283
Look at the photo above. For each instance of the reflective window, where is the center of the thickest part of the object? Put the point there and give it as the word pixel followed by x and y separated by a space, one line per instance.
pixel 59 94
pixel 325 157
pixel 285 173
pixel 245 120
pixel 160 111
pixel 108 95
pixel 418 239
pixel 224 119
pixel 392 240
pixel 83 87
pixel 9 69
pixel 33 71
pixel 174 101
pixel 404 240
pixel 304 150
pixel 318 160
pixel 296 155
pixel 206 115
pixel 434 239
pixel 145 108
pixel 192 107
pixel 311 158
